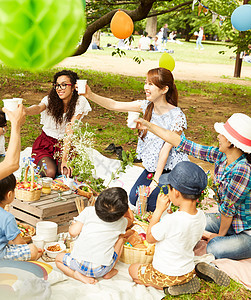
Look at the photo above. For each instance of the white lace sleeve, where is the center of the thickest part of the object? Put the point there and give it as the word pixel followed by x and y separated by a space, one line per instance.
pixel 179 122
pixel 82 106
pixel 144 104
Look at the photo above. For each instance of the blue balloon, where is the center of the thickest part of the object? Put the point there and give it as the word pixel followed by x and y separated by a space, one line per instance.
pixel 241 17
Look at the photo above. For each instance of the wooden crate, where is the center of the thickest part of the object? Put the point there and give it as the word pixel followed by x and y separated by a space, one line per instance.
pixel 46 209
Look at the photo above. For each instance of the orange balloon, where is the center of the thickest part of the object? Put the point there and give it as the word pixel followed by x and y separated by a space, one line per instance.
pixel 121 25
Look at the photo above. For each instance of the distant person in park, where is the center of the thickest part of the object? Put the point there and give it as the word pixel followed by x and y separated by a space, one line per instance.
pixel 58 111
pixel 156 43
pixel 144 42
pixel 159 107
pixel 199 39
pixel 165 34
pixel 247 56
pixel 11 160
pixel 3 128
pixel 172 36
pixel 12 245
pixel 228 232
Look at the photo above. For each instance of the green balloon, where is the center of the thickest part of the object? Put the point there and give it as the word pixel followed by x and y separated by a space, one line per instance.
pixel 166 61
pixel 37 34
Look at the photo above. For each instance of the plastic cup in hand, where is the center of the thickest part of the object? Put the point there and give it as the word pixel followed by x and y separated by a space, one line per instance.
pixel 20 100
pixel 10 104
pixel 132 116
pixel 69 182
pixel 81 86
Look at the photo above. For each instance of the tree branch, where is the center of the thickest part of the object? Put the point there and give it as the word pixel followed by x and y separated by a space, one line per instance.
pixel 157 13
pixel 137 14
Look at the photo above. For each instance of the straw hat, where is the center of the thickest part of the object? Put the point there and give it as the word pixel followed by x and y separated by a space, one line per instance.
pixel 237 130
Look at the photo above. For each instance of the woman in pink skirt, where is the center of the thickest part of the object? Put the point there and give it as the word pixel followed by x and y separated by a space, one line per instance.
pixel 58 111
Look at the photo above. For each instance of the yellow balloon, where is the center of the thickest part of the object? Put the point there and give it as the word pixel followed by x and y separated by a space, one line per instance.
pixel 166 61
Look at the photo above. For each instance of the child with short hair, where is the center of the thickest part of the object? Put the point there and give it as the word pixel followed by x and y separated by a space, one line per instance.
pixel 3 127
pixel 175 234
pixel 12 245
pixel 100 242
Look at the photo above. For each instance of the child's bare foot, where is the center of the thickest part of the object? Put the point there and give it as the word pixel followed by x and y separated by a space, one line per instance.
pixel 110 274
pixel 84 279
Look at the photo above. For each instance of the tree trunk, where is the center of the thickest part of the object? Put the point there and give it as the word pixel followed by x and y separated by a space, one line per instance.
pixel 238 63
pixel 151 26
pixel 238 60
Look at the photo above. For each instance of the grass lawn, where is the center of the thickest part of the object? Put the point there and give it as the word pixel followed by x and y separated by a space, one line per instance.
pixel 185 52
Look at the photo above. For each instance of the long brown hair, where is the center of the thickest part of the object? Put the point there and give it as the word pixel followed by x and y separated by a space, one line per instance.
pixel 55 104
pixel 160 77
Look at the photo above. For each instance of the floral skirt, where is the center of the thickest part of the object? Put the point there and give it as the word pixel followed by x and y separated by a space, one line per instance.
pixel 44 146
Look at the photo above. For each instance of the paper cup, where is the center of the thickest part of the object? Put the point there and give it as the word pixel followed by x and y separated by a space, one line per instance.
pixel 132 116
pixel 69 182
pixel 20 100
pixel 81 86
pixel 38 241
pixel 10 104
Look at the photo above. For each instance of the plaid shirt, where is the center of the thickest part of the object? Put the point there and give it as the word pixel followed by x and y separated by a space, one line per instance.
pixel 234 182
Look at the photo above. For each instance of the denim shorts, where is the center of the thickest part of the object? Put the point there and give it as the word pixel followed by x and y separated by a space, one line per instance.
pixel 86 268
pixel 18 252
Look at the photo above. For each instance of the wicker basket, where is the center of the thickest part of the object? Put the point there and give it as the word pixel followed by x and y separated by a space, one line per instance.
pixel 29 194
pixel 131 255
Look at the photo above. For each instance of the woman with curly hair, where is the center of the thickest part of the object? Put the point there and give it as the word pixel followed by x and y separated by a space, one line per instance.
pixel 58 111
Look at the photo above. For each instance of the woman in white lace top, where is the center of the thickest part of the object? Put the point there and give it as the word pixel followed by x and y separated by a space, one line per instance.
pixel 160 107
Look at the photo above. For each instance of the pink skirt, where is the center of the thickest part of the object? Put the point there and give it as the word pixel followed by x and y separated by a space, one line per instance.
pixel 44 146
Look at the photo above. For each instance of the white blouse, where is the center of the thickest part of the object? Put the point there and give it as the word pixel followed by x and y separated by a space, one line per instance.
pixel 49 124
pixel 149 149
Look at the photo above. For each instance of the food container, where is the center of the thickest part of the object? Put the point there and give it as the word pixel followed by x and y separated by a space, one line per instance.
pixel 28 191
pixel 46 182
pixel 27 231
pixel 47 229
pixel 53 254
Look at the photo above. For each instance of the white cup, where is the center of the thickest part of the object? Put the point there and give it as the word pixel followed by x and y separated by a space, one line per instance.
pixel 11 104
pixel 81 86
pixel 20 100
pixel 69 182
pixel 38 241
pixel 132 116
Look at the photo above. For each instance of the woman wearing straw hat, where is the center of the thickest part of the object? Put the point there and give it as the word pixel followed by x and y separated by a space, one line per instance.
pixel 229 231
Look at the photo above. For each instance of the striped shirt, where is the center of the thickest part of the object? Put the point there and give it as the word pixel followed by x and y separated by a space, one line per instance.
pixel 233 181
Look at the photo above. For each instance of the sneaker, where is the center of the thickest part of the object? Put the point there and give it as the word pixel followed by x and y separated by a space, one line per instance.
pixel 110 148
pixel 191 287
pixel 211 274
pixel 202 49
pixel 118 151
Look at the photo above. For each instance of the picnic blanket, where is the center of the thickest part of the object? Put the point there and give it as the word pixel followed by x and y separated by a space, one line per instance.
pixel 121 286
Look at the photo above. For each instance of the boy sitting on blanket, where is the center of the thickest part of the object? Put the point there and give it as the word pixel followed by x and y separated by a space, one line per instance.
pixel 176 235
pixel 100 242
pixel 12 245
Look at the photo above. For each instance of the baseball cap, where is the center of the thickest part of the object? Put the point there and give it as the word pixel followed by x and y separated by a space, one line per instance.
pixel 187 177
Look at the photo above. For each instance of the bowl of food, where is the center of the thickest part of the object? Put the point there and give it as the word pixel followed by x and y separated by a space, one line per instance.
pixel 53 249
pixel 27 231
